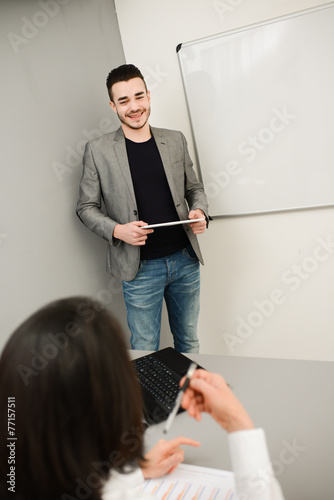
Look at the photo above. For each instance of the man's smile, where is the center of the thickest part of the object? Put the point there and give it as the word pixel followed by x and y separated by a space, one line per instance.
pixel 135 115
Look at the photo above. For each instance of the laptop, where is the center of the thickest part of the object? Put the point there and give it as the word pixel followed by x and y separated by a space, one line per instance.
pixel 159 375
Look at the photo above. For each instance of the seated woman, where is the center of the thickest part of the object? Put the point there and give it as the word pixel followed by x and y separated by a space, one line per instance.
pixel 78 419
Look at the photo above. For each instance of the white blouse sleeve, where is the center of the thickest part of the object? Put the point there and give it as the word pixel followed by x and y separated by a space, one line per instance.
pixel 123 486
pixel 254 476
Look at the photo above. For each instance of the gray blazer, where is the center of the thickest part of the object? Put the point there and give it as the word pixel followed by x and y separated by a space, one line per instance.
pixel 106 177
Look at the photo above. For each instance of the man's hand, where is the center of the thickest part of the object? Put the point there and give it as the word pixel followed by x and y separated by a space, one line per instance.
pixel 208 392
pixel 132 233
pixel 200 226
pixel 165 456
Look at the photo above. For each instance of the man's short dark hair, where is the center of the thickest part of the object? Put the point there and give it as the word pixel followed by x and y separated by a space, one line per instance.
pixel 123 73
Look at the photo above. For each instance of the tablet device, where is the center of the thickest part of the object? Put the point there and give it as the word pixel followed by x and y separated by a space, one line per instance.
pixel 174 223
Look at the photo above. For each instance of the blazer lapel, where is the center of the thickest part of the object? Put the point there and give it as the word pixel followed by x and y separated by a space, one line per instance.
pixel 122 157
pixel 162 145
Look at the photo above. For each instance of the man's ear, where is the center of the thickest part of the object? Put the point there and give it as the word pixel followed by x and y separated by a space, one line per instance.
pixel 112 104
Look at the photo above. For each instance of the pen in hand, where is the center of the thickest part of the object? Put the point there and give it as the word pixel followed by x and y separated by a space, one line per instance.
pixel 178 400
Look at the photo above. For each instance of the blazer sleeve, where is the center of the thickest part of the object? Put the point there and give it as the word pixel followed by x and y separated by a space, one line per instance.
pixel 89 203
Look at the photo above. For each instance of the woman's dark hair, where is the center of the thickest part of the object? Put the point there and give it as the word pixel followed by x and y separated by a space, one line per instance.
pixel 78 407
pixel 123 73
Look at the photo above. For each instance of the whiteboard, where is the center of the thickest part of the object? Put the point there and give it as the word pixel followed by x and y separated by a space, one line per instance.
pixel 261 105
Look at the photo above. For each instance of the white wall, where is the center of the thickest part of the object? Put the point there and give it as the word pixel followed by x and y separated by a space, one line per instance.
pixel 55 57
pixel 249 260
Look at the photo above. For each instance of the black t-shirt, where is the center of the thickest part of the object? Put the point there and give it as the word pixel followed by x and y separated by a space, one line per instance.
pixel 154 200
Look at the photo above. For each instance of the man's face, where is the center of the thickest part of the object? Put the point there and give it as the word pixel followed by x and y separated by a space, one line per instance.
pixel 131 103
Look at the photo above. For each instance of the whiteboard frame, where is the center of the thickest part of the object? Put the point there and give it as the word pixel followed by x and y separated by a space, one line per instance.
pixel 232 32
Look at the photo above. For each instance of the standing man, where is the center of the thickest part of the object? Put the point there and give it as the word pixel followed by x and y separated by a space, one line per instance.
pixel 144 175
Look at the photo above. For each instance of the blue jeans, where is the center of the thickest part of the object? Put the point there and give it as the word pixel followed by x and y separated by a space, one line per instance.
pixel 175 278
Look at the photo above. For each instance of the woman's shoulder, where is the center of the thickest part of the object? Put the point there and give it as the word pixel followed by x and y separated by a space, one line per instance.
pixel 125 487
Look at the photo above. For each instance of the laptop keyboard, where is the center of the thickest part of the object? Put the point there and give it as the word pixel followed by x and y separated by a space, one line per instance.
pixel 157 380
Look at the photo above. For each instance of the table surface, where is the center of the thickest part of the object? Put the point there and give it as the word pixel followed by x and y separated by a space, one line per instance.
pixel 292 400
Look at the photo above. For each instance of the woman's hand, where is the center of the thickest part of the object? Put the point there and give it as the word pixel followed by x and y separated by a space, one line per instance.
pixel 208 392
pixel 165 456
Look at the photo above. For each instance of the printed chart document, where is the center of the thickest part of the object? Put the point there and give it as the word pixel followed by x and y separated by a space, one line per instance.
pixel 191 482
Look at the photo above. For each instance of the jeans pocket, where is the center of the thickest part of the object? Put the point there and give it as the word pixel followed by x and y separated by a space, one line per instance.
pixel 190 252
pixel 141 265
